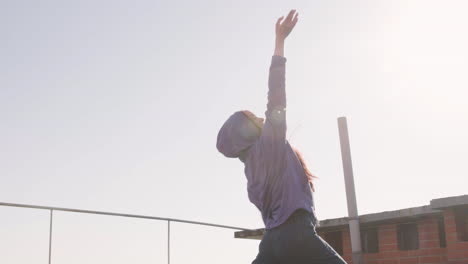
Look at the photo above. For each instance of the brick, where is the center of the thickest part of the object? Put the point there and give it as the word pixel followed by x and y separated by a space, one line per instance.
pixel 460 246
pixel 371 256
pixel 458 261
pixel 411 260
pixel 456 254
pixel 383 240
pixel 450 223
pixel 426 228
pixel 450 229
pixel 414 253
pixel 449 217
pixel 394 254
pixel 451 234
pixel 430 259
pixel 389 261
pixel 451 238
pixel 429 244
pixel 429 236
pixel 387 233
pixel 437 251
pixel 387 240
pixel 388 247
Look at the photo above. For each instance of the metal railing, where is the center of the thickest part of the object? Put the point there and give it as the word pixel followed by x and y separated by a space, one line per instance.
pixel 169 220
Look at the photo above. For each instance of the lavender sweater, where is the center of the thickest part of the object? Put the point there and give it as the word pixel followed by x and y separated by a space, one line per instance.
pixel 276 182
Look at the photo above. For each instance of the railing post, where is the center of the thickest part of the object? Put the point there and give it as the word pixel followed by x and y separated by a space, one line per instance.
pixel 50 236
pixel 168 242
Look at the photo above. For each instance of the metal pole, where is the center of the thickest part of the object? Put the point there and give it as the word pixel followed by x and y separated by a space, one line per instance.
pixel 168 242
pixel 350 192
pixel 61 209
pixel 50 236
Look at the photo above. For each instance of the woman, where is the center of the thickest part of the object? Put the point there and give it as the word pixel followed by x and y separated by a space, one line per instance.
pixel 279 183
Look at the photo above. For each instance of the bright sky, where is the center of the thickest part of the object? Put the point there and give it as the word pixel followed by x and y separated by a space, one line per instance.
pixel 115 106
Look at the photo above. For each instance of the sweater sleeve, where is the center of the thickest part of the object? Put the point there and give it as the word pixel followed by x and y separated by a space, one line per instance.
pixel 273 138
pixel 276 87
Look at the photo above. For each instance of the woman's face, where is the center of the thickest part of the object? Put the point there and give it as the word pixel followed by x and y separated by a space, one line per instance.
pixel 258 121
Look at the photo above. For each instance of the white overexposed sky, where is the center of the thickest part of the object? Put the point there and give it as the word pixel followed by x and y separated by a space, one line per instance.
pixel 115 106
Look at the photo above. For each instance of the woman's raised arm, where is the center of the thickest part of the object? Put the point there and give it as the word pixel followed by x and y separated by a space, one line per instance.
pixel 273 139
pixel 275 114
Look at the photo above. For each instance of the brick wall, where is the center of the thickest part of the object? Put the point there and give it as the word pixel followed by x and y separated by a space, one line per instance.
pixel 457 251
pixel 347 253
pixel 429 251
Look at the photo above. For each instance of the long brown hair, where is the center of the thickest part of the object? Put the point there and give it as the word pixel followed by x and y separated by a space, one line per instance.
pixel 310 176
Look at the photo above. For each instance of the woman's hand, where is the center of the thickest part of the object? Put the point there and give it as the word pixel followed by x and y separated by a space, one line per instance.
pixel 283 28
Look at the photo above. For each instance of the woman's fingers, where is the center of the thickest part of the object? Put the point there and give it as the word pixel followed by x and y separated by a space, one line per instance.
pixel 290 15
pixel 279 20
pixel 291 18
pixel 294 21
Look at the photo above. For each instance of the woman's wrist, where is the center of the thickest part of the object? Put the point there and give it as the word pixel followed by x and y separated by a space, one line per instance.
pixel 279 47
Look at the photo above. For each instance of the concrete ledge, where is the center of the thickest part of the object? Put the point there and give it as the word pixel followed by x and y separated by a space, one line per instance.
pixel 413 212
pixel 449 202
pixel 388 216
pixel 333 222
pixel 337 223
pixel 250 234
